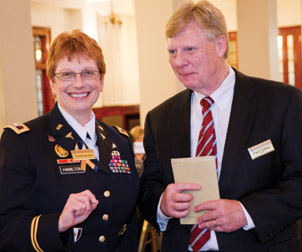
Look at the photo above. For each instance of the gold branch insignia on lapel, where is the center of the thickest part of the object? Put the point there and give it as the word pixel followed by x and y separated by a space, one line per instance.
pixel 59 126
pixel 69 135
pixel 103 136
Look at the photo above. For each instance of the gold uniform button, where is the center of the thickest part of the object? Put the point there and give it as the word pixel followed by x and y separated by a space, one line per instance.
pixel 102 238
pixel 107 194
pixel 105 217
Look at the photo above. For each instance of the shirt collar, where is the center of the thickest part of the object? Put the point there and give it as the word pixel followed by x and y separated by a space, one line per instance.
pixel 224 93
pixel 79 129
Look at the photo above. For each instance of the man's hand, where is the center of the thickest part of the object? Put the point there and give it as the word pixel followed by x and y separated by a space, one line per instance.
pixel 174 202
pixel 223 215
pixel 77 209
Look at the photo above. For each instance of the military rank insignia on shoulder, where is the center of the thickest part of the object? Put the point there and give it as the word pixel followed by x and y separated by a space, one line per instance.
pixel 18 127
pixel 122 131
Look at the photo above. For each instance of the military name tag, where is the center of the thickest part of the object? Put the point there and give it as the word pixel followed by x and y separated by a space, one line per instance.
pixel 71 169
pixel 83 154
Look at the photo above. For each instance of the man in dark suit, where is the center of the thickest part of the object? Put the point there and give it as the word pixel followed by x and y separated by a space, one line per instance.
pixel 258 126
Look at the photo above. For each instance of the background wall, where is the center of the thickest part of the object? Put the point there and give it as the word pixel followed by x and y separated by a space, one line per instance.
pixel 57 18
pixel 289 12
pixel 18 98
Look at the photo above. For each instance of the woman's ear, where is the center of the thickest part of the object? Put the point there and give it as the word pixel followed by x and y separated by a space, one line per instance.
pixel 102 82
pixel 52 86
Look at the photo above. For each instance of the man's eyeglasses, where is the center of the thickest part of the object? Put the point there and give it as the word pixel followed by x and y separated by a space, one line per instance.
pixel 85 75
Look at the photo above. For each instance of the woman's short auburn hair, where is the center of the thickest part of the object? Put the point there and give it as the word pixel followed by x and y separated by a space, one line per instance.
pixel 71 44
pixel 208 16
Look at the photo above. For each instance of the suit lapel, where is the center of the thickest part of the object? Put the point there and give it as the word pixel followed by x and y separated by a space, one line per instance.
pixel 179 122
pixel 241 118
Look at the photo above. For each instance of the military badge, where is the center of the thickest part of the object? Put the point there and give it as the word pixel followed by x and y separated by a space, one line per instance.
pixel 77 232
pixel 103 136
pixel 61 152
pixel 117 165
pixel 69 135
pixel 84 155
pixel 59 126
pixel 67 161
pixel 122 131
pixel 18 127
pixel 51 138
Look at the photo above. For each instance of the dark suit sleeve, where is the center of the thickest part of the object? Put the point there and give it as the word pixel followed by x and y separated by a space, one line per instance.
pixel 17 201
pixel 275 208
pixel 151 186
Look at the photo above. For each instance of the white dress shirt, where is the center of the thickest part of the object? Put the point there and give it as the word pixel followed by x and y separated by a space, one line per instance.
pixel 221 109
pixel 82 131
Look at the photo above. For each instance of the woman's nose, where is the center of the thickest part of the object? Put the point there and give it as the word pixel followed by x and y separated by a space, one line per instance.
pixel 78 81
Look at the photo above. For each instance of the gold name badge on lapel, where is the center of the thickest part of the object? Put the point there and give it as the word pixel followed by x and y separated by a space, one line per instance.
pixel 84 155
pixel 261 149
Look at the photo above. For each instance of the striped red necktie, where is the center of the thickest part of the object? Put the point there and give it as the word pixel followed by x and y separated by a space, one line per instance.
pixel 206 146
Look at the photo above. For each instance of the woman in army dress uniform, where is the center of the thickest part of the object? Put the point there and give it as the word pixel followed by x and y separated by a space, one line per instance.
pixel 68 181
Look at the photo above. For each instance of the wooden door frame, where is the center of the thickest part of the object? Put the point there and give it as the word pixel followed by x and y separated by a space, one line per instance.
pixel 45 34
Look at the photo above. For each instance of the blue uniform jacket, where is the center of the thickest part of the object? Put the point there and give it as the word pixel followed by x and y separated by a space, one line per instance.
pixel 36 180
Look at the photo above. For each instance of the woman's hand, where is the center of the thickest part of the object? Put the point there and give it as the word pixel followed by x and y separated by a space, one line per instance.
pixel 77 209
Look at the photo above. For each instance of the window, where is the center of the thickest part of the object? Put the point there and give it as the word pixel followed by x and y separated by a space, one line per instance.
pixel 289 52
pixel 41 38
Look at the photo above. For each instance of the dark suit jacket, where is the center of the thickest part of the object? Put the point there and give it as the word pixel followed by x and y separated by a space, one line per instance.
pixel 31 184
pixel 270 187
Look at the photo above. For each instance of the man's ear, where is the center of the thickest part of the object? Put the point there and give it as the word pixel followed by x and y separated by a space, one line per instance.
pixel 221 45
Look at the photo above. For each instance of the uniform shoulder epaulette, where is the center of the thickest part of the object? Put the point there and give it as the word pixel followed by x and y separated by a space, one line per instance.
pixel 122 131
pixel 18 127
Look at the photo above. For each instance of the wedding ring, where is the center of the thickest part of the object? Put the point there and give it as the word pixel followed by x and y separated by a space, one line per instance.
pixel 214 223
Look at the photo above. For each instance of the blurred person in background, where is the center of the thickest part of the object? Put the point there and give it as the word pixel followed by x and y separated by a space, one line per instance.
pixel 137 134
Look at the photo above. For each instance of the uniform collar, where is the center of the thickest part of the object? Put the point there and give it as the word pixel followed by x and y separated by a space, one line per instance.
pixel 78 128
